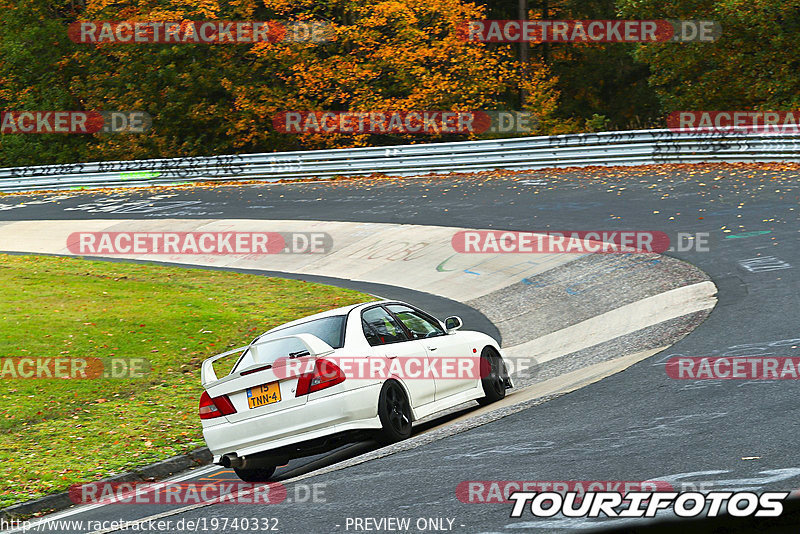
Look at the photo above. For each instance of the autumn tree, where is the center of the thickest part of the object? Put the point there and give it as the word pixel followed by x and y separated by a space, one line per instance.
pixel 212 99
pixel 34 77
pixel 754 64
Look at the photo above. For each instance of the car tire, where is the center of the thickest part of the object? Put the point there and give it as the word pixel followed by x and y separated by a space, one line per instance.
pixel 394 411
pixel 254 475
pixel 494 381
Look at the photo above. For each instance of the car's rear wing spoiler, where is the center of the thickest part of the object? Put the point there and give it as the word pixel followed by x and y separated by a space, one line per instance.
pixel 313 345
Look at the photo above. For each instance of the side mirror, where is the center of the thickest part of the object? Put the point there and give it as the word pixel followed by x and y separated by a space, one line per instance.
pixel 453 323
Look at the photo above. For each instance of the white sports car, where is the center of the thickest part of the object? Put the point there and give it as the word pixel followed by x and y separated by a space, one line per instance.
pixel 311 385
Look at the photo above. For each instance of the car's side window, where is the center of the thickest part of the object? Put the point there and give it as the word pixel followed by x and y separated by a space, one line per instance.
pixel 420 325
pixel 372 336
pixel 380 327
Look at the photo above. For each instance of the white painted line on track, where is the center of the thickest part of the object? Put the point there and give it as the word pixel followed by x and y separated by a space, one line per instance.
pixel 618 322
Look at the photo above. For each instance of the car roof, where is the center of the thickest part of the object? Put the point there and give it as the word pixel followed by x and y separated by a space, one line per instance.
pixel 344 310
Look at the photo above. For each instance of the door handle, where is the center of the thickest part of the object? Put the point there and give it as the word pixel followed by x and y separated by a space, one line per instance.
pixel 432 348
pixel 391 356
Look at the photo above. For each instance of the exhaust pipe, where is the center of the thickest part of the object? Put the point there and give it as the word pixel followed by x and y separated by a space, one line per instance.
pixel 257 461
pixel 231 460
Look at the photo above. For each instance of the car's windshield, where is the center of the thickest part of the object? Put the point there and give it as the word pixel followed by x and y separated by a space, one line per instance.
pixel 418 324
pixel 328 329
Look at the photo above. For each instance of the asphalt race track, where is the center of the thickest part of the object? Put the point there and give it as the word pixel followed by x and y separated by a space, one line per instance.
pixel 637 425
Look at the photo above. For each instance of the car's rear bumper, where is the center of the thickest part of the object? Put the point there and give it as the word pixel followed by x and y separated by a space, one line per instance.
pixel 355 409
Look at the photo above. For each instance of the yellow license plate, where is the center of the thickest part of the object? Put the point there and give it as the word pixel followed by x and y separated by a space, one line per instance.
pixel 263 395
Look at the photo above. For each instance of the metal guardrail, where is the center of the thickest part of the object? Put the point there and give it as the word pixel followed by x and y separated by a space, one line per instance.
pixel 636 147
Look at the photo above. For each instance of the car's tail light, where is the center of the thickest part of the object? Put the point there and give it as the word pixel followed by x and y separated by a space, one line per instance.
pixel 325 374
pixel 216 407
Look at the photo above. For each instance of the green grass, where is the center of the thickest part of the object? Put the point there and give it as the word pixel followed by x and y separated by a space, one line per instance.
pixel 57 432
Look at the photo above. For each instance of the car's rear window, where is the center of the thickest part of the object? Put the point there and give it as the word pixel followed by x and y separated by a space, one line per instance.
pixel 328 329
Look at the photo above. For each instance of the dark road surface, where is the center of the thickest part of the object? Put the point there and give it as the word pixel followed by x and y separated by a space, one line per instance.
pixel 637 425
